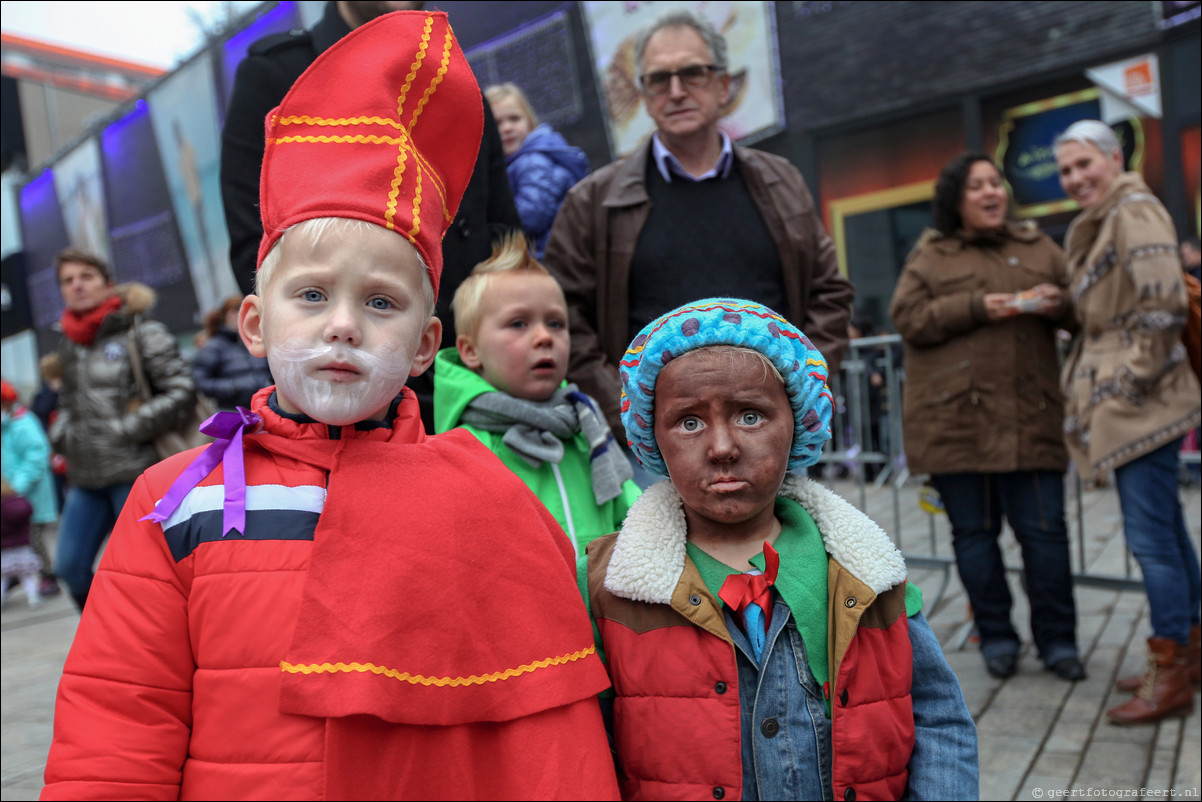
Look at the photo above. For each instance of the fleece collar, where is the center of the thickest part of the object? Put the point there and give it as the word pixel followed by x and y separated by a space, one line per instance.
pixel 649 555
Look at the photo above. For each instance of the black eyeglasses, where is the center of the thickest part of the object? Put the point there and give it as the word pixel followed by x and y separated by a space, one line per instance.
pixel 694 75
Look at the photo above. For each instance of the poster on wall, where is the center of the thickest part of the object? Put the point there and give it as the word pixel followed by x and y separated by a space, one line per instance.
pixel 81 195
pixel 43 235
pixel 755 108
pixel 142 227
pixel 189 142
pixel 1026 153
pixel 540 59
pixel 1191 160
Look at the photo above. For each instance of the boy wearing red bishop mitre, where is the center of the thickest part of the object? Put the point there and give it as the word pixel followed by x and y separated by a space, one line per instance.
pixel 325 603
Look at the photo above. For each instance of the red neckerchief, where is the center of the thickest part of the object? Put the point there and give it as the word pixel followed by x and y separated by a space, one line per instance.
pixel 741 591
pixel 81 328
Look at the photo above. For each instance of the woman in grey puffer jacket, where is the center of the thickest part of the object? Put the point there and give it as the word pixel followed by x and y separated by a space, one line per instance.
pixel 106 440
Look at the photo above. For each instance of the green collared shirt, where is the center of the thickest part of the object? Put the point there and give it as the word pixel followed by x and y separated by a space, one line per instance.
pixel 801 581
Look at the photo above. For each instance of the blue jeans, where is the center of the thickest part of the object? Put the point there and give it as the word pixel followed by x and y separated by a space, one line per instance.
pixel 1033 504
pixel 1156 534
pixel 88 517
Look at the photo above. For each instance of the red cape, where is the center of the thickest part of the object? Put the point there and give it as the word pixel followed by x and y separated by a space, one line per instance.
pixel 441 631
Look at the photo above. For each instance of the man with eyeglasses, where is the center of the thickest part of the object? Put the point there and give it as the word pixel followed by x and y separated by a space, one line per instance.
pixel 688 215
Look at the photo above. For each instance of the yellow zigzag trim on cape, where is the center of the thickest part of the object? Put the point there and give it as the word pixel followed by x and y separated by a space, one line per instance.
pixel 418 679
pixel 402 155
pixel 304 119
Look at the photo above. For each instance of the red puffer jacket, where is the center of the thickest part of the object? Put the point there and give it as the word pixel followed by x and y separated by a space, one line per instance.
pixel 173 686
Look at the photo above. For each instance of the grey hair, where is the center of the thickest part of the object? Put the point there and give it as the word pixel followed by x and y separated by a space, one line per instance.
pixel 1090 132
pixel 317 227
pixel 683 18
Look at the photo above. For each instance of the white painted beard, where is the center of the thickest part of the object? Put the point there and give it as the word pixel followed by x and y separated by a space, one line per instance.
pixel 381 378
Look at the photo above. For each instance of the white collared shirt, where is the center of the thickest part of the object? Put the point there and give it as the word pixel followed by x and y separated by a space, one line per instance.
pixel 669 165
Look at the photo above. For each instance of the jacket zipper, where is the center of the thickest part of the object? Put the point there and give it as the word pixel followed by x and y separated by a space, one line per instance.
pixel 567 510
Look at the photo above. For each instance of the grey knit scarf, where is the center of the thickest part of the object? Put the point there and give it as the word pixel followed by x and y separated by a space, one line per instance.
pixel 535 430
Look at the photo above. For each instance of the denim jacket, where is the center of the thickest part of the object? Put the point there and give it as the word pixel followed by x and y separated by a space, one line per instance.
pixel 786 734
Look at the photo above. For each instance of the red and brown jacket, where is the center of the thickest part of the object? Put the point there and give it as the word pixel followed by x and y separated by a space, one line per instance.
pixel 673 667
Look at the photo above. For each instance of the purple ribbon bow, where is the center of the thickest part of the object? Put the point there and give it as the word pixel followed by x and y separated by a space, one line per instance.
pixel 227 428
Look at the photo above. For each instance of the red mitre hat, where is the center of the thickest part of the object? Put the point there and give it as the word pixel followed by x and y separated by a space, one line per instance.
pixel 383 127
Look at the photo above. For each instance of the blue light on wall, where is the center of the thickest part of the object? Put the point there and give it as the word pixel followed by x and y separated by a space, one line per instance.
pixel 283 17
pixel 37 192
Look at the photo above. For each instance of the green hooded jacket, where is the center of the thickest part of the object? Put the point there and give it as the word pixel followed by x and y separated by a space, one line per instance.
pixel 565 489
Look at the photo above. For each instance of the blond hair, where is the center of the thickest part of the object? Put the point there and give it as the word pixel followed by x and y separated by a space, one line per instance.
pixel 316 228
pixel 733 352
pixel 511 254
pixel 499 92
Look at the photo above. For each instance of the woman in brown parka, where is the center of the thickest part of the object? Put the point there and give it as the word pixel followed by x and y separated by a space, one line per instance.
pixel 978 305
pixel 1131 396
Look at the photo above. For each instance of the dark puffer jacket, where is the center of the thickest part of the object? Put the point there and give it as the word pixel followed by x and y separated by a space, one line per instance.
pixel 227 373
pixel 104 438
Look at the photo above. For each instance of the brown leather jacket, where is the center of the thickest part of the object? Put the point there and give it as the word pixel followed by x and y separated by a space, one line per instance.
pixel 980 397
pixel 593 240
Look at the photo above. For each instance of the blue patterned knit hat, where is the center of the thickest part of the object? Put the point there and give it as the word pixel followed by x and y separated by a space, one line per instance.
pixel 726 321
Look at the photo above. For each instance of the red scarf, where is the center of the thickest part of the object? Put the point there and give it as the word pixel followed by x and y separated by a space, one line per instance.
pixel 82 327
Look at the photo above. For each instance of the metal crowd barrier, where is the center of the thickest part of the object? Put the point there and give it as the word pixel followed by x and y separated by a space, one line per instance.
pixel 867 450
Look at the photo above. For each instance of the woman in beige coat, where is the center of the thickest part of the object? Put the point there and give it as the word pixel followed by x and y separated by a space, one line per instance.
pixel 978 304
pixel 1131 396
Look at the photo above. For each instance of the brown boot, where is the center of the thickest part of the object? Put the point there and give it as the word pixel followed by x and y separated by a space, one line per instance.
pixel 1195 654
pixel 1133 683
pixel 1166 689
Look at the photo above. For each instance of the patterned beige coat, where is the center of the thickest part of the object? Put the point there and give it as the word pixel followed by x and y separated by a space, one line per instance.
pixel 1128 386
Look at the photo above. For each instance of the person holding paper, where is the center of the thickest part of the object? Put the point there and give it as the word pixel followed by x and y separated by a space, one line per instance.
pixel 978 305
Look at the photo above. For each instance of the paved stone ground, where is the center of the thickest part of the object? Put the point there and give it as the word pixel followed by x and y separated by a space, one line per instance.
pixel 1040 737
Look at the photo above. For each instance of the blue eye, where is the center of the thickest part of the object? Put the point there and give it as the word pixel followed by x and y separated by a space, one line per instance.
pixel 750 418
pixel 690 424
pixel 313 296
pixel 556 324
pixel 517 324
pixel 382 304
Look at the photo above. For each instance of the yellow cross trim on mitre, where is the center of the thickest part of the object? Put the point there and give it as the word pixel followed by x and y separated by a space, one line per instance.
pixel 423 167
pixel 441 682
pixel 399 136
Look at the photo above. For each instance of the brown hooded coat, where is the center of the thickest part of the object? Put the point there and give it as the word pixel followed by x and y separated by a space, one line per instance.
pixel 980 396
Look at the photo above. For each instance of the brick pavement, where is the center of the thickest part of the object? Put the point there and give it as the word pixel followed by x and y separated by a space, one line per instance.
pixel 1039 736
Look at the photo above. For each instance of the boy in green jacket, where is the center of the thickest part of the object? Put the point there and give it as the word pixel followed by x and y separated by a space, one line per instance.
pixel 504 382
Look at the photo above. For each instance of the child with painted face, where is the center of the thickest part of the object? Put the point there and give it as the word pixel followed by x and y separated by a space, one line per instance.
pixel 761 636
pixel 325 603
pixel 504 382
